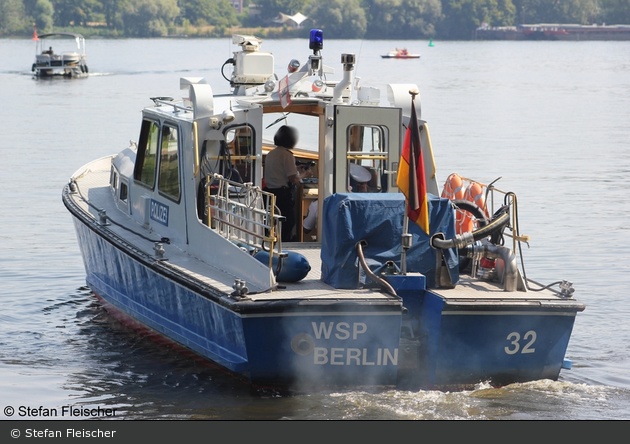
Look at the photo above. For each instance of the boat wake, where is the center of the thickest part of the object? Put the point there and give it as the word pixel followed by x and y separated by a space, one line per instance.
pixel 536 400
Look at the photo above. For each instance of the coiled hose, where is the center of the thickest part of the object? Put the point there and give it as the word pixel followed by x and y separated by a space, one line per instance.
pixel 499 222
pixel 382 282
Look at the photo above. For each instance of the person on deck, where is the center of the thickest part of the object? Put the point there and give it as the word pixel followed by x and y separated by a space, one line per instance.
pixel 310 221
pixel 281 175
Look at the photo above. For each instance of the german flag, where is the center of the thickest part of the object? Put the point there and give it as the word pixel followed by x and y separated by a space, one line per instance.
pixel 411 179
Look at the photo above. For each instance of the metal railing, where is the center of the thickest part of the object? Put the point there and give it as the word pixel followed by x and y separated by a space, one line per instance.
pixel 509 198
pixel 243 214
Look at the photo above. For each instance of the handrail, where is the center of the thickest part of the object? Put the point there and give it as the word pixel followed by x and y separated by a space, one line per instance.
pixel 367 153
pixel 242 213
pixel 176 107
pixel 233 157
pixel 490 189
pixel 196 144
pixel 380 156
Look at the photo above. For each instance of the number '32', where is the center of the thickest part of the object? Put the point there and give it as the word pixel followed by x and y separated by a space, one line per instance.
pixel 515 344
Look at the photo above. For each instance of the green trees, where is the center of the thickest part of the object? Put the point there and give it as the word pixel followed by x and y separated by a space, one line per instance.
pixel 389 19
pixel 376 19
pixel 581 12
pixel 340 19
pixel 615 12
pixel 270 9
pixel 78 12
pixel 43 15
pixel 462 17
pixel 208 12
pixel 149 18
pixel 11 16
pixel 112 12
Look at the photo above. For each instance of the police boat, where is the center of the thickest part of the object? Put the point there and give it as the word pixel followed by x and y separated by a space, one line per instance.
pixel 402 283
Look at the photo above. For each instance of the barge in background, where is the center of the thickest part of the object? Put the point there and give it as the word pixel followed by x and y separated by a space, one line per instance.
pixel 553 32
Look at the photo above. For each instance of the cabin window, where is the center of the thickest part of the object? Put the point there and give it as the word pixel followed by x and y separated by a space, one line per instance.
pixel 239 155
pixel 113 178
pixel 124 192
pixel 168 181
pixel 146 159
pixel 366 156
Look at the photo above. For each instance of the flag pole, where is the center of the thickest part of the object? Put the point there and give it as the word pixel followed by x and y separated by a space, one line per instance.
pixel 406 240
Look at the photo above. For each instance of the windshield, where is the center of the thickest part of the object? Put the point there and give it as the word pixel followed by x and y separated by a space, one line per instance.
pixel 307 127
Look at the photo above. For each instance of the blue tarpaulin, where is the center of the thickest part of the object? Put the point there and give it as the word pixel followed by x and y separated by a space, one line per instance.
pixel 378 219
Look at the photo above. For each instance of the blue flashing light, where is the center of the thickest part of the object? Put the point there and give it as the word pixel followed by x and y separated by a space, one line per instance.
pixel 316 41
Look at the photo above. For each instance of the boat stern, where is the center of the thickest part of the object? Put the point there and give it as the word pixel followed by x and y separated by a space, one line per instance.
pixel 322 345
pixel 455 343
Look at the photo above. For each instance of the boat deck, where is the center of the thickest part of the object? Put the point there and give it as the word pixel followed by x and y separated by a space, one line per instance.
pixel 95 187
pixel 478 293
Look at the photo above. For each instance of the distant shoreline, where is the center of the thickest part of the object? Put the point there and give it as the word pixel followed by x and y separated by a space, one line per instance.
pixel 519 32
pixel 553 32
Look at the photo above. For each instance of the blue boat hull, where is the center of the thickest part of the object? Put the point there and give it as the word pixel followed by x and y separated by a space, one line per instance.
pixel 273 344
pixel 418 341
pixel 452 345
pixel 134 287
pixel 500 347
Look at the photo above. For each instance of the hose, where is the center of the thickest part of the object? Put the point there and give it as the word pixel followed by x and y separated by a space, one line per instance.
pixel 228 61
pixel 510 273
pixel 498 223
pixel 461 240
pixel 383 283
pixel 472 208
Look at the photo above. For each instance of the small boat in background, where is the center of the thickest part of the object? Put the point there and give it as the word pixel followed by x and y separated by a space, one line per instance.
pixel 400 54
pixel 67 62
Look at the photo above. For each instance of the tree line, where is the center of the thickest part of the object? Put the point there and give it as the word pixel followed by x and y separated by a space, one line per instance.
pixel 343 19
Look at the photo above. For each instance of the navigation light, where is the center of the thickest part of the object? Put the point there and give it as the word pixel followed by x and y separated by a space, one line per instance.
pixel 316 41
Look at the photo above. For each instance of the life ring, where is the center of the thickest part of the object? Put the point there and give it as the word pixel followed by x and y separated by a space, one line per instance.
pixel 464 221
pixel 474 193
pixel 453 187
pixel 454 190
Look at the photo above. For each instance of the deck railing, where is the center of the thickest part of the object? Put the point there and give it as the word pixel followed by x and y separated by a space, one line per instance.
pixel 243 214
pixel 507 198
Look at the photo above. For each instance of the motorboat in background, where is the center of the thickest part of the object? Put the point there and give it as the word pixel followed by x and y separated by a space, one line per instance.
pixel 174 241
pixel 400 54
pixel 60 54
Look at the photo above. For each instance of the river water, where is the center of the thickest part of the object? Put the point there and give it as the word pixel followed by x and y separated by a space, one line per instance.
pixel 551 118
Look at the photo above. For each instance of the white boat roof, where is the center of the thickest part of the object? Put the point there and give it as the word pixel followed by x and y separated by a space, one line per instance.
pixel 61 34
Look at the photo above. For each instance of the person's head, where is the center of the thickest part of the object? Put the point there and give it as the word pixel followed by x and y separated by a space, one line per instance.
pixel 286 136
pixel 362 187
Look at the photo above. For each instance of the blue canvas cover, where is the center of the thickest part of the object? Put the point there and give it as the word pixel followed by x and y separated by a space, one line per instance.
pixel 378 219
